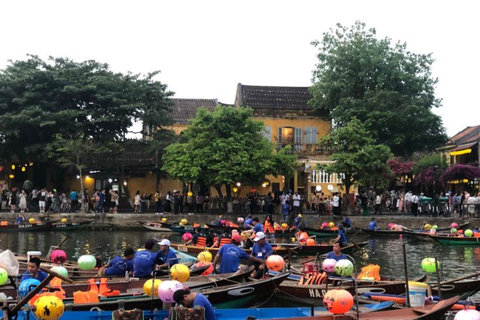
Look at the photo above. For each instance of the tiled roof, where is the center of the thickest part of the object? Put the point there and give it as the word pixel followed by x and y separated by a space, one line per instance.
pixel 183 110
pixel 273 97
pixel 466 136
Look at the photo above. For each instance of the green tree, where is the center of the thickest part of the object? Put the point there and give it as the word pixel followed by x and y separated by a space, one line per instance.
pixel 39 99
pixel 388 88
pixel 223 147
pixel 358 157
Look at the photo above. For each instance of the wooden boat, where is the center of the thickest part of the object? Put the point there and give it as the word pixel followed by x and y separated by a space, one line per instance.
pixel 322 248
pixel 195 250
pixel 72 226
pixel 383 233
pixel 230 296
pixel 321 233
pixel 223 314
pixel 471 241
pixel 314 293
pixel 430 312
pixel 26 227
pixel 222 229
pixel 156 226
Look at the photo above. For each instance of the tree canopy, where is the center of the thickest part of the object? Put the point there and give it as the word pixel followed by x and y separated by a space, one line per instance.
pixel 223 147
pixel 358 157
pixel 388 88
pixel 39 99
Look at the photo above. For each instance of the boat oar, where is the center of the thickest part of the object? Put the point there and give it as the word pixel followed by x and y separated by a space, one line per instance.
pixel 457 279
pixel 37 289
pixel 356 245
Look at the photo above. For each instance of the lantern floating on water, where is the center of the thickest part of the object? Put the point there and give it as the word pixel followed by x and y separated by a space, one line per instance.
pixel 338 301
pixel 167 289
pixel 275 262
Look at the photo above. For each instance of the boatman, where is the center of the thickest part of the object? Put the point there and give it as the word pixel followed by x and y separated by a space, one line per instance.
pixel 261 250
pixel 372 225
pixel 298 221
pixel 118 266
pixel 257 226
pixel 144 261
pixel 193 299
pixel 231 254
pixel 336 254
pixel 33 271
pixel 248 221
pixel 342 238
pixel 165 257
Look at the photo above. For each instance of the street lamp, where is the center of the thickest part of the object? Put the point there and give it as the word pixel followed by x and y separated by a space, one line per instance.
pixel 435 167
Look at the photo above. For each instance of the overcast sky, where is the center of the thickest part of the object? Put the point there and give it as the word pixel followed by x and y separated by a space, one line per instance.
pixel 205 48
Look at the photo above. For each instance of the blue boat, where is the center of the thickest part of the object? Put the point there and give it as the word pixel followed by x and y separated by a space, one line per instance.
pixel 222 314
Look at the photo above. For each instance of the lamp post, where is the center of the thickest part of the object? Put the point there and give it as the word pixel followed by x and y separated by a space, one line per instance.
pixel 435 167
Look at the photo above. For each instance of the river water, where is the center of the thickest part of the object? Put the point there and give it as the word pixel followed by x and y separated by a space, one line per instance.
pixel 456 261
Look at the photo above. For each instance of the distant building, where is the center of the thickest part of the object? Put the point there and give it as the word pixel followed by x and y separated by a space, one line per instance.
pixel 463 148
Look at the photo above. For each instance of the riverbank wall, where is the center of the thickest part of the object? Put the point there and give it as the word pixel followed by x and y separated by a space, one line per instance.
pixel 130 221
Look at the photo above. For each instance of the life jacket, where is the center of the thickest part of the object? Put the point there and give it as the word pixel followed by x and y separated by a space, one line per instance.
pixel 268 227
pixel 105 290
pixel 303 237
pixel 224 241
pixel 370 272
pixel 90 296
pixel 201 242
pixel 313 278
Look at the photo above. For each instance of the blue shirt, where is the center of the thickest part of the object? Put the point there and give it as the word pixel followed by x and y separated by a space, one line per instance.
pixel 332 255
pixel 40 276
pixel 347 223
pixel 118 266
pixel 247 223
pixel 297 221
pixel 231 256
pixel 258 227
pixel 261 252
pixel 343 237
pixel 19 220
pixel 143 264
pixel 201 301
pixel 372 225
pixel 170 258
pixel 73 195
pixel 285 208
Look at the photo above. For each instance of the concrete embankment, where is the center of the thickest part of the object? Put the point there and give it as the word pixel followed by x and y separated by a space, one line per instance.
pixel 129 221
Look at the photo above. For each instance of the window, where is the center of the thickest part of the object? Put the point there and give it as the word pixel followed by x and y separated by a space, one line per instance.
pixel 286 135
pixel 267 133
pixel 310 135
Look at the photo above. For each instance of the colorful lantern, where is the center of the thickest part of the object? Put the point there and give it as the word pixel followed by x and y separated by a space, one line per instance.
pixel 428 265
pixel 180 272
pixel 60 270
pixel 205 256
pixel 58 256
pixel 454 225
pixel 49 308
pixel 275 262
pixel 240 220
pixel 31 220
pixel 328 265
pixel 150 285
pixel 167 289
pixel 338 301
pixel 26 286
pixel 3 276
pixel 468 233
pixel 344 268
pixel 187 236
pixel 87 262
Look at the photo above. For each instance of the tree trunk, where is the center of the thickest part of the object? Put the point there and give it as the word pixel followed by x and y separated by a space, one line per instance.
pixel 348 183
pixel 228 189
pixel 219 190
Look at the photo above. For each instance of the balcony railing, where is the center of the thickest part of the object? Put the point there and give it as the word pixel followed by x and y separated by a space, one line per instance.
pixel 307 148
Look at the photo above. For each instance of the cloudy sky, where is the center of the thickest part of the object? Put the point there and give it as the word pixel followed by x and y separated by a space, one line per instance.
pixel 205 48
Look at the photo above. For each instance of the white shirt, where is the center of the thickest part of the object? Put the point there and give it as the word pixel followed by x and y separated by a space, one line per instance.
pixel 336 200
pixel 378 200
pixel 296 200
pixel 414 199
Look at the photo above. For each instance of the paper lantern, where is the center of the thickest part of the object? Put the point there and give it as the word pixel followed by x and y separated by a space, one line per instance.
pixel 453 231
pixel 222 222
pixel 275 262
pixel 147 287
pixel 26 286
pixel 428 265
pixel 58 256
pixel 328 265
pixel 310 242
pixel 390 225
pixel 331 224
pixel 205 256
pixel 338 301
pixel 181 224
pixel 454 225
pixel 468 233
pixel 164 220
pixel 187 236
pixel 240 220
pixel 184 221
pixel 60 270
pixel 344 268
pixel 180 272
pixel 64 220
pixel 190 193
pixel 324 225
pixel 284 226
pixel 433 231
pixel 31 220
pixel 467 314
pixel 435 227
pixel 49 308
pixel 87 262
pixel 427 227
pixel 167 289
pixel 3 276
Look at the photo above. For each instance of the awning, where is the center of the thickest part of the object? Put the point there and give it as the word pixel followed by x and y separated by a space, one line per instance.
pixel 463 149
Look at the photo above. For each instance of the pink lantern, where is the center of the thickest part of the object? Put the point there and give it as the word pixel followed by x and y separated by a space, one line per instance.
pixel 166 290
pixel 390 225
pixel 433 232
pixel 240 220
pixel 328 265
pixel 468 314
pixel 324 225
pixel 454 225
pixel 222 222
pixel 187 236
pixel 58 256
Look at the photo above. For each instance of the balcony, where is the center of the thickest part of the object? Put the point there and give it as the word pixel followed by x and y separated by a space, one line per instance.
pixel 307 149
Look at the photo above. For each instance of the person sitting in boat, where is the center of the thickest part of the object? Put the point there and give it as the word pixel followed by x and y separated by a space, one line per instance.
pixel 302 236
pixel 261 250
pixel 198 233
pixel 248 223
pixel 230 256
pixel 476 229
pixel 144 261
pixel 298 221
pixel 347 223
pixel 372 225
pixel 194 299
pixel 257 226
pixel 219 221
pixel 118 266
pixel 269 227
pixel 165 257
pixel 210 238
pixel 33 271
pixel 224 238
pixel 20 218
pixel 342 238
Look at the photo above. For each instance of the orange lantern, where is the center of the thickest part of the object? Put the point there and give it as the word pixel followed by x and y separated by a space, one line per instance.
pixel 338 301
pixel 310 242
pixel 275 262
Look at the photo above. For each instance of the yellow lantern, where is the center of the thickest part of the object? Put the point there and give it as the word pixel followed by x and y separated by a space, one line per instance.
pixel 190 193
pixel 23 169
pixel 235 189
pixel 13 167
pixel 11 176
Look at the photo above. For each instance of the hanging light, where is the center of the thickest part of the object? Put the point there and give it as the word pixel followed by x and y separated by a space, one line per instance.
pixel 13 167
pixel 11 176
pixel 23 169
